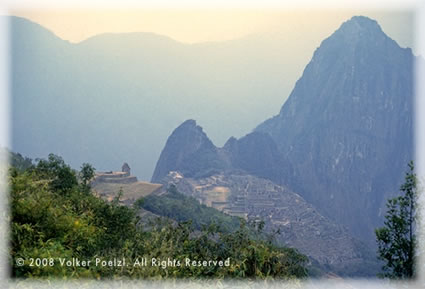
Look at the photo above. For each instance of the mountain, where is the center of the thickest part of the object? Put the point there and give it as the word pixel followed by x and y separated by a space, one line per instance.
pixel 115 97
pixel 257 154
pixel 347 127
pixel 190 151
pixel 341 141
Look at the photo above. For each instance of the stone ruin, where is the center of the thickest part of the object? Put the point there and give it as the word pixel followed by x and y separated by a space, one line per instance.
pixel 122 177
pixel 125 168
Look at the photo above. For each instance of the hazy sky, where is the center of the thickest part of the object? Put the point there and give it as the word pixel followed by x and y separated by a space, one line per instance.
pixel 192 26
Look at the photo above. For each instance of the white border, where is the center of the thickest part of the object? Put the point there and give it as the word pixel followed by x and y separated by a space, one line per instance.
pixel 255 4
pixel 420 133
pixel 4 141
pixel 415 5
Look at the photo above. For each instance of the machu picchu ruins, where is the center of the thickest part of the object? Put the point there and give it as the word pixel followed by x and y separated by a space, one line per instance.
pixel 108 185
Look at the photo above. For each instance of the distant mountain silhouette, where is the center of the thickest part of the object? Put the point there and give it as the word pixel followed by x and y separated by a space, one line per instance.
pixel 116 97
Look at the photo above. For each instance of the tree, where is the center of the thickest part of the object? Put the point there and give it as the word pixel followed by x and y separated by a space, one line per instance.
pixel 397 240
pixel 20 162
pixel 62 177
pixel 86 175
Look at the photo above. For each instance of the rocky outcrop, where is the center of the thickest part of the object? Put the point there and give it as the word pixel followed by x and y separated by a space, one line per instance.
pixel 347 127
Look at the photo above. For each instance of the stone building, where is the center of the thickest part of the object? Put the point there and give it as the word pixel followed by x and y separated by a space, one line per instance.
pixel 125 168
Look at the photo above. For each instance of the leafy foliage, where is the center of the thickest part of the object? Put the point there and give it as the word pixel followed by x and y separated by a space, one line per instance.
pixel 179 207
pixel 86 175
pixel 62 177
pixel 20 162
pixel 54 218
pixel 396 240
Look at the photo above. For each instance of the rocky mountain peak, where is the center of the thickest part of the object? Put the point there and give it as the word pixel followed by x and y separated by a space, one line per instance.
pixel 188 149
pixel 360 24
pixel 358 31
pixel 189 123
pixel 189 137
pixel 358 46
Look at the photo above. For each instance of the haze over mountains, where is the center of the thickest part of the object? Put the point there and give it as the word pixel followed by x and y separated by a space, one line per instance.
pixel 342 140
pixel 116 97
pixel 137 87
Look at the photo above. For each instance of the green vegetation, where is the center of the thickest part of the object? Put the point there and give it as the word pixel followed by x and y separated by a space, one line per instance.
pixel 397 240
pixel 181 208
pixel 86 175
pixel 55 218
pixel 19 162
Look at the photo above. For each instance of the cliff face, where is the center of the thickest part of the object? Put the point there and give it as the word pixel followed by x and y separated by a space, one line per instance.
pixel 258 154
pixel 347 127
